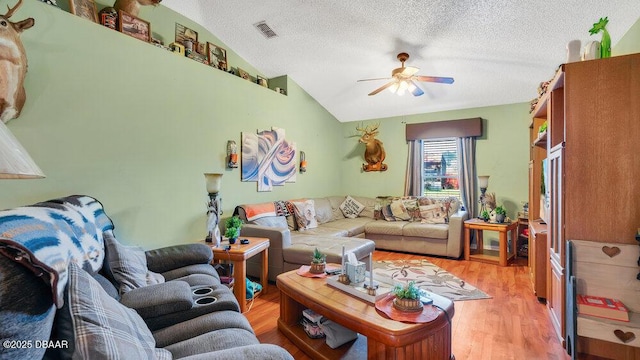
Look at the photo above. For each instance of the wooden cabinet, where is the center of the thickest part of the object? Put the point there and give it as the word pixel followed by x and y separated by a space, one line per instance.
pixel 538 255
pixel 593 116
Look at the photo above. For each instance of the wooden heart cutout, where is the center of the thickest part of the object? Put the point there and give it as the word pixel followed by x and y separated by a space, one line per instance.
pixel 625 337
pixel 611 251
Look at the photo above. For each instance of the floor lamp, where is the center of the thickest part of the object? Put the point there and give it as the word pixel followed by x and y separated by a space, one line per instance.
pixel 15 162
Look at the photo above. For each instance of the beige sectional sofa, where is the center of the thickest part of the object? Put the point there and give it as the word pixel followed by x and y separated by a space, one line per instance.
pixel 292 247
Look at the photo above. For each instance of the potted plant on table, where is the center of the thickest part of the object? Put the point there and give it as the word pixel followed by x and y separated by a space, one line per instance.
pixel 407 297
pixel 318 262
pixel 232 228
pixel 501 214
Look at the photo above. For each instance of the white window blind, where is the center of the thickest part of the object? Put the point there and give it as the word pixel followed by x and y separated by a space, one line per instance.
pixel 440 168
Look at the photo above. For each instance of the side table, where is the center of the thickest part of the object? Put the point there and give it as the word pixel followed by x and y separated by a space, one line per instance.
pixel 503 255
pixel 238 255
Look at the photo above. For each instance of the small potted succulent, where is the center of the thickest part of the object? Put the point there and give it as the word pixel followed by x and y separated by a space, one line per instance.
pixel 484 215
pixel 407 297
pixel 501 214
pixel 232 228
pixel 318 262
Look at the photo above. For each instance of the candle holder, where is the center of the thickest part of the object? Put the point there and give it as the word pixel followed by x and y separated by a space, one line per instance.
pixel 344 278
pixel 371 289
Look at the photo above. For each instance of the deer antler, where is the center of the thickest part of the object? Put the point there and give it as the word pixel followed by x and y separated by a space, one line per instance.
pixel 12 10
pixel 374 128
pixel 359 128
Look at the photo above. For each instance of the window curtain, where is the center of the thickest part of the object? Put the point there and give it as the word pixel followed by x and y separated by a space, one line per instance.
pixel 468 182
pixel 413 178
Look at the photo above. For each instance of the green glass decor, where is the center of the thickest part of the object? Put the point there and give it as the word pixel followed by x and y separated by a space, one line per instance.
pixel 605 43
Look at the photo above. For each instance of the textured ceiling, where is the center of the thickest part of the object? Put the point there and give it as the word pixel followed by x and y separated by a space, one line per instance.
pixel 497 51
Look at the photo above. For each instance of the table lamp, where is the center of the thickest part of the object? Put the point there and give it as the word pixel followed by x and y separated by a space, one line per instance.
pixel 213 182
pixel 483 183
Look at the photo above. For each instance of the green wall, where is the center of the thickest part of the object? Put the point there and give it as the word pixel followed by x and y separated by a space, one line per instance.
pixel 501 153
pixel 136 127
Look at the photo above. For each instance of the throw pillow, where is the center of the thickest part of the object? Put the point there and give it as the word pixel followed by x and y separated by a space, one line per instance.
pixel 399 210
pixel 102 327
pixel 387 214
pixel 128 264
pixel 305 214
pixel 433 214
pixel 351 208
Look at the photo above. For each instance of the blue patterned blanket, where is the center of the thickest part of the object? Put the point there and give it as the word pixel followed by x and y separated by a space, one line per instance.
pixel 46 236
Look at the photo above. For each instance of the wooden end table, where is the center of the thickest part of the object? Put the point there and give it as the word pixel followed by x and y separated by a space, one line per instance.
pixel 503 256
pixel 385 338
pixel 238 255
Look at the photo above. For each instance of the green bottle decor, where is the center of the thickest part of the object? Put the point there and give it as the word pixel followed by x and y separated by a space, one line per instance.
pixel 605 43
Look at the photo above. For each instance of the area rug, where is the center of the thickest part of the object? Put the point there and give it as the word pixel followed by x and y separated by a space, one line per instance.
pixel 427 276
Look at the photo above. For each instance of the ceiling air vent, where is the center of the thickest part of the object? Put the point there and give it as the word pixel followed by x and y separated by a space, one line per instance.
pixel 265 29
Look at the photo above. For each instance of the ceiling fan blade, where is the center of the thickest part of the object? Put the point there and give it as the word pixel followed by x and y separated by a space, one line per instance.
pixel 386 78
pixel 409 71
pixel 381 88
pixel 416 91
pixel 436 79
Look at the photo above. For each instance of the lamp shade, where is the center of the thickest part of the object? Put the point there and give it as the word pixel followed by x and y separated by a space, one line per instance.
pixel 213 182
pixel 15 162
pixel 483 181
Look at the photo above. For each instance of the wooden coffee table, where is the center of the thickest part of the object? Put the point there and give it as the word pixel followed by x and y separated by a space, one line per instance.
pixel 238 254
pixel 382 338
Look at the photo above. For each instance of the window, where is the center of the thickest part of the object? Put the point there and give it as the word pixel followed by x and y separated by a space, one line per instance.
pixel 440 174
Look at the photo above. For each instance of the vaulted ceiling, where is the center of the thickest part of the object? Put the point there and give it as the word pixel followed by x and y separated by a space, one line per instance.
pixel 497 51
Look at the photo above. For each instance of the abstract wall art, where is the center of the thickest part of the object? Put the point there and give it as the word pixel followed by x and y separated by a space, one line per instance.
pixel 268 158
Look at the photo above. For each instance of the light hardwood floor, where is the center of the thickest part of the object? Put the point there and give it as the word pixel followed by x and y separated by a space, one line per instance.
pixel 513 324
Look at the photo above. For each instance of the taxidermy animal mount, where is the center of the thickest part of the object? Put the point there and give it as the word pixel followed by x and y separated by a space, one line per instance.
pixel 132 7
pixel 374 151
pixel 13 64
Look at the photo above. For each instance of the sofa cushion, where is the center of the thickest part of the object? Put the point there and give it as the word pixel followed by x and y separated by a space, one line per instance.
pixel 433 231
pixel 385 227
pixel 323 230
pixel 272 221
pixel 305 214
pixel 102 327
pixel 127 264
pixel 353 227
pixel 324 212
pixel 335 207
pixel 302 247
pixel 369 205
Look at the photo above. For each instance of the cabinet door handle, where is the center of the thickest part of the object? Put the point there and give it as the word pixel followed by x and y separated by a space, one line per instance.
pixel 625 337
pixel 611 251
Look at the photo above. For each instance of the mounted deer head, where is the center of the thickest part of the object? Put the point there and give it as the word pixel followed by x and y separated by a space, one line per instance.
pixel 132 7
pixel 374 151
pixel 13 64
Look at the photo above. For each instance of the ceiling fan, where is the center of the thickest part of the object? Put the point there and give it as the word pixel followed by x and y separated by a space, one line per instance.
pixel 404 79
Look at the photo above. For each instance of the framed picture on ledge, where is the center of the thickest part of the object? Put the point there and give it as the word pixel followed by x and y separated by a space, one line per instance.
pixel 85 9
pixel 134 27
pixel 217 56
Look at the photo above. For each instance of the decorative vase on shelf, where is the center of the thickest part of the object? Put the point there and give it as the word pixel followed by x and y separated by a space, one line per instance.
pixel 605 43
pixel 232 240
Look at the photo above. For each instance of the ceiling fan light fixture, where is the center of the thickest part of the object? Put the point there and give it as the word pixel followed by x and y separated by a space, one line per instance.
pixel 402 87
pixel 393 88
pixel 411 87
